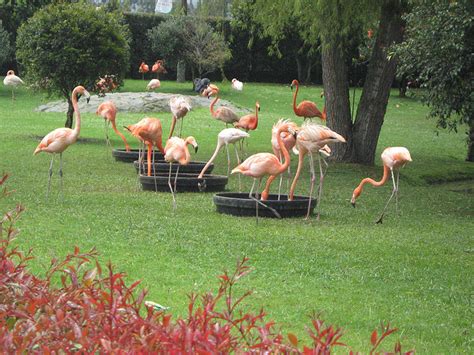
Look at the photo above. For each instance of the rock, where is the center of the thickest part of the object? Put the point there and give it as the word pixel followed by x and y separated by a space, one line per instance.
pixel 135 102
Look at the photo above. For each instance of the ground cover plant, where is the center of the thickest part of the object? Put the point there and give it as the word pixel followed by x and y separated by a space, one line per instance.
pixel 414 270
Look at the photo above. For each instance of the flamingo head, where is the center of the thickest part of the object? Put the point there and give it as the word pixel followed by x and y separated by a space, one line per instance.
pixel 257 105
pixel 234 80
pixel 10 72
pixel 191 140
pixel 294 83
pixel 80 90
pixel 355 195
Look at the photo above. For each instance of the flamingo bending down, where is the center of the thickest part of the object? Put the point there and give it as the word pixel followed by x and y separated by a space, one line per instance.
pixel 143 68
pixel 153 84
pixel 108 111
pixel 222 113
pixel 13 81
pixel 306 109
pixel 237 85
pixel 261 164
pixel 312 138
pixel 179 106
pixel 149 131
pixel 58 140
pixel 249 122
pixel 393 158
pixel 225 137
pixel 176 150
pixel 289 141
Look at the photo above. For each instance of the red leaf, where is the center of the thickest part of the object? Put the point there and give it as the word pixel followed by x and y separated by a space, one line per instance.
pixel 373 338
pixel 76 250
pixel 293 339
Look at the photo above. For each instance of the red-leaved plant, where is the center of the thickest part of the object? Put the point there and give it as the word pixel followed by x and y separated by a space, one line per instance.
pixel 94 311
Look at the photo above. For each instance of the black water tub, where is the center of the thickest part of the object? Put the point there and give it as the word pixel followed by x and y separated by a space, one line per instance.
pixel 161 166
pixel 185 182
pixel 132 155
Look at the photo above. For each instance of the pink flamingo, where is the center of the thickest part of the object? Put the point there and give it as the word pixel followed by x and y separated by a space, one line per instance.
pixel 179 107
pixel 143 68
pixel 289 141
pixel 13 81
pixel 60 139
pixel 313 138
pixel 237 85
pixel 223 113
pixel 153 84
pixel 108 111
pixel 393 158
pixel 261 164
pixel 149 131
pixel 176 150
pixel 249 122
pixel 306 109
pixel 158 68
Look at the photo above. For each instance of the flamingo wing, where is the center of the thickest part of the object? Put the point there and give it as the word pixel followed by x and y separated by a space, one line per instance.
pixel 308 109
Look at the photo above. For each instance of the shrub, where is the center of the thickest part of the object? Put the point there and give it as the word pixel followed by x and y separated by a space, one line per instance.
pixel 60 50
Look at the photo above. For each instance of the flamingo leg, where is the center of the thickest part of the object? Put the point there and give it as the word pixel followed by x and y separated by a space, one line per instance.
pixel 312 180
pixel 394 191
pixel 154 168
pixel 281 180
pixel 258 202
pixel 396 194
pixel 141 168
pixel 176 183
pixel 181 127
pixel 238 163
pixel 61 174
pixel 288 180
pixel 13 95
pixel 50 173
pixel 320 188
pixel 228 159
pixel 148 157
pixel 171 188
pixel 106 130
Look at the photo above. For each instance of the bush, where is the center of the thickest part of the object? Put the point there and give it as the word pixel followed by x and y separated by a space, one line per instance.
pixel 60 50
pixel 94 311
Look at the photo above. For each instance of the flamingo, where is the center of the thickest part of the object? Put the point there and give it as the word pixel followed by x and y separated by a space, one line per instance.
pixel 158 68
pixel 225 137
pixel 313 138
pixel 13 81
pixel 108 111
pixel 179 106
pixel 289 141
pixel 393 158
pixel 153 84
pixel 143 68
pixel 237 85
pixel 60 139
pixel 306 109
pixel 176 150
pixel 261 164
pixel 149 131
pixel 249 122
pixel 223 113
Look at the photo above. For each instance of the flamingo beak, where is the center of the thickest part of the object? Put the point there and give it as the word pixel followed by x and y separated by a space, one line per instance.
pixel 196 149
pixel 88 99
pixel 353 204
pixel 291 87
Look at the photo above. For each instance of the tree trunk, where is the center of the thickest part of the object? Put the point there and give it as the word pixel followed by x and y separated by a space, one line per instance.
pixel 303 66
pixel 470 144
pixel 376 91
pixel 402 87
pixel 336 92
pixel 70 113
pixel 181 72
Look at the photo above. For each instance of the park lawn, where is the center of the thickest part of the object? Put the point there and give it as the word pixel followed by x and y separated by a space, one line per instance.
pixel 414 270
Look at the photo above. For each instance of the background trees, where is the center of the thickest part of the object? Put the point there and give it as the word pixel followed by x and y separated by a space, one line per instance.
pixel 59 49
pixel 5 49
pixel 438 53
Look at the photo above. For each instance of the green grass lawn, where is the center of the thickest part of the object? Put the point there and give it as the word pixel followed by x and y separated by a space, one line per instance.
pixel 414 270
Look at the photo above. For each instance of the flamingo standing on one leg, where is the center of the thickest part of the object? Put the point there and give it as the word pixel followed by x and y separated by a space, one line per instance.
pixel 143 69
pixel 58 140
pixel 179 106
pixel 158 68
pixel 150 132
pixel 108 111
pixel 153 84
pixel 306 109
pixel 261 164
pixel 393 158
pixel 223 113
pixel 225 137
pixel 249 122
pixel 13 81
pixel 289 141
pixel 176 150
pixel 313 138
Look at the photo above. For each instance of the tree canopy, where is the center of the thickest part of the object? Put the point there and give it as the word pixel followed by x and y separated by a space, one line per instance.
pixel 58 49
pixel 5 49
pixel 438 53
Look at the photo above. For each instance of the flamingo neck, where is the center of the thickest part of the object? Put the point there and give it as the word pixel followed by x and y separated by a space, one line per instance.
pixel 358 189
pixel 173 124
pixel 256 117
pixel 284 151
pixel 77 126
pixel 294 97
pixel 324 115
pixel 212 105
pixel 114 127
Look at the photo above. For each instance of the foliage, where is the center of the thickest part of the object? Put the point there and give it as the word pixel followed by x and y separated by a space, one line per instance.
pixel 192 40
pixel 438 53
pixel 60 50
pixel 5 50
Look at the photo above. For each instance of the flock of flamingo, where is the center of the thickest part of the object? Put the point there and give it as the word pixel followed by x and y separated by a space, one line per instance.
pixel 308 139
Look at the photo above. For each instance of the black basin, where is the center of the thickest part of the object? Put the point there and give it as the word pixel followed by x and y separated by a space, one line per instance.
pixel 161 166
pixel 185 182
pixel 239 204
pixel 132 155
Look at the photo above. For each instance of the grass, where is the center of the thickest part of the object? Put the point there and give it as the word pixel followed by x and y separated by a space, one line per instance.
pixel 414 270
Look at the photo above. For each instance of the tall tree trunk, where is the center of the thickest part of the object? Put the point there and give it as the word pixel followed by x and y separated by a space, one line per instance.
pixel 336 92
pixel 70 113
pixel 470 147
pixel 376 91
pixel 303 66
pixel 181 72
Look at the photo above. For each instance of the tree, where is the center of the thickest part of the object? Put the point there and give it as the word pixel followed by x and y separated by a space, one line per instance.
pixel 60 49
pixel 335 24
pixel 438 53
pixel 5 49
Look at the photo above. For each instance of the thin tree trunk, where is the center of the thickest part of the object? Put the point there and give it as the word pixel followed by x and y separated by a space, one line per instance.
pixel 303 66
pixel 470 147
pixel 70 113
pixel 336 92
pixel 181 72
pixel 376 91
